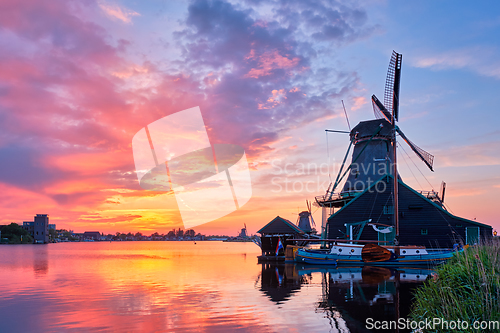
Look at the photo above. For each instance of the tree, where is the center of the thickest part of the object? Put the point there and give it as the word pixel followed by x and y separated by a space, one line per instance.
pixel 14 233
pixel 52 234
pixel 65 234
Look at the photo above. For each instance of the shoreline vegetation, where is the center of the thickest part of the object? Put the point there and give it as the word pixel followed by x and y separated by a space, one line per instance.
pixel 467 288
pixel 15 234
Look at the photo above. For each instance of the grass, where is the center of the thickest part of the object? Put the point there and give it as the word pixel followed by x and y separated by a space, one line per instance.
pixel 466 288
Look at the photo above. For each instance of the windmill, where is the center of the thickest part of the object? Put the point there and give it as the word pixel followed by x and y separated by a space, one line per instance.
pixel 373 154
pixel 305 219
pixel 243 232
pixel 374 162
pixel 390 111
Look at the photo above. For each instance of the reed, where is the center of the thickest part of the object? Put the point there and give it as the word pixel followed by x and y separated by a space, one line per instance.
pixel 466 288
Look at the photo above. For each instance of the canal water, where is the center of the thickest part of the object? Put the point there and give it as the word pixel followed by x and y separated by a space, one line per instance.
pixel 187 286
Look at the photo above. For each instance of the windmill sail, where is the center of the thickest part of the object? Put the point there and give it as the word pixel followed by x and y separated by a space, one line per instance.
pixel 391 94
pixel 380 110
pixel 424 156
pixel 310 212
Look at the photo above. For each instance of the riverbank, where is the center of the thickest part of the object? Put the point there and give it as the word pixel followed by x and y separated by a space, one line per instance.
pixel 467 288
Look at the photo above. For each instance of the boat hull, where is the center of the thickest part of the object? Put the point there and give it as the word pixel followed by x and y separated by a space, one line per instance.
pixel 318 257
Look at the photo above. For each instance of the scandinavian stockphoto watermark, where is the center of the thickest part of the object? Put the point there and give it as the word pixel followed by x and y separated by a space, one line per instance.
pixel 434 324
pixel 174 154
pixel 316 178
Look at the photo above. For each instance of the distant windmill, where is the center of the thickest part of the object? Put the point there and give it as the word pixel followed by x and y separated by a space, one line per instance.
pixel 305 219
pixel 243 232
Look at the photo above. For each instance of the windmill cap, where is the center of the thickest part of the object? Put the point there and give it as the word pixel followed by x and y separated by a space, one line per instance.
pixel 366 129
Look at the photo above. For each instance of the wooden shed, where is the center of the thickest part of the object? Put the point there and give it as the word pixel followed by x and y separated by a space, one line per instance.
pixel 276 230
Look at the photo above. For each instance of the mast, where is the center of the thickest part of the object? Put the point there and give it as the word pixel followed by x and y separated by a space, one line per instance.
pixel 394 76
pixel 395 174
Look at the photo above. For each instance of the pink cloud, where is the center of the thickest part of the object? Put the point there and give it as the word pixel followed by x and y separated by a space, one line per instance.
pixel 277 97
pixel 116 12
pixel 481 60
pixel 483 154
pixel 358 103
pixel 70 106
pixel 268 62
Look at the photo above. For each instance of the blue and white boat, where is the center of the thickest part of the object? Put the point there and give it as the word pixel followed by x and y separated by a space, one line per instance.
pixel 361 254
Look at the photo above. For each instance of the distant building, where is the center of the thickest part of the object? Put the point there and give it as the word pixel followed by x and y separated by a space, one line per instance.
pixel 52 227
pixel 29 226
pixel 39 229
pixel 95 235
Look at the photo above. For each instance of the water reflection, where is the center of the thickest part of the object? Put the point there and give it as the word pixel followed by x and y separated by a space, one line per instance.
pixel 280 281
pixel 40 260
pixel 349 295
pixel 180 286
pixel 353 294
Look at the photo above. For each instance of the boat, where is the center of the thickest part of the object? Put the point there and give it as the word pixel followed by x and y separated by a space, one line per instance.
pixel 379 136
pixel 374 255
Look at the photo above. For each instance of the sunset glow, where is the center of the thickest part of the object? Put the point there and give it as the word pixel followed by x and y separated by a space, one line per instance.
pixel 79 79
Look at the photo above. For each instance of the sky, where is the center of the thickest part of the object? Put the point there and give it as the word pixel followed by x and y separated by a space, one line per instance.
pixel 78 79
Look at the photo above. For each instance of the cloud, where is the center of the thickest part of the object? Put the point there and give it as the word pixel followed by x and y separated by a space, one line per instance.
pixel 269 61
pixel 72 94
pixel 101 219
pixel 481 60
pixel 358 103
pixel 55 27
pixel 484 154
pixel 116 12
pixel 20 167
pixel 263 79
pixel 330 21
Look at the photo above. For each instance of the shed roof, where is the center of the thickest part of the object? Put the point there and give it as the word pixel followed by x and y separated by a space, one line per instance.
pixel 280 225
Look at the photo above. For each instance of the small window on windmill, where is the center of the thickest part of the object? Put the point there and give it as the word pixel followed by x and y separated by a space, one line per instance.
pixel 458 226
pixel 424 231
pixel 388 210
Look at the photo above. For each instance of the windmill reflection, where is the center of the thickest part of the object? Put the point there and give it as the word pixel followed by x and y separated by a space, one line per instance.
pixel 350 295
pixel 353 294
